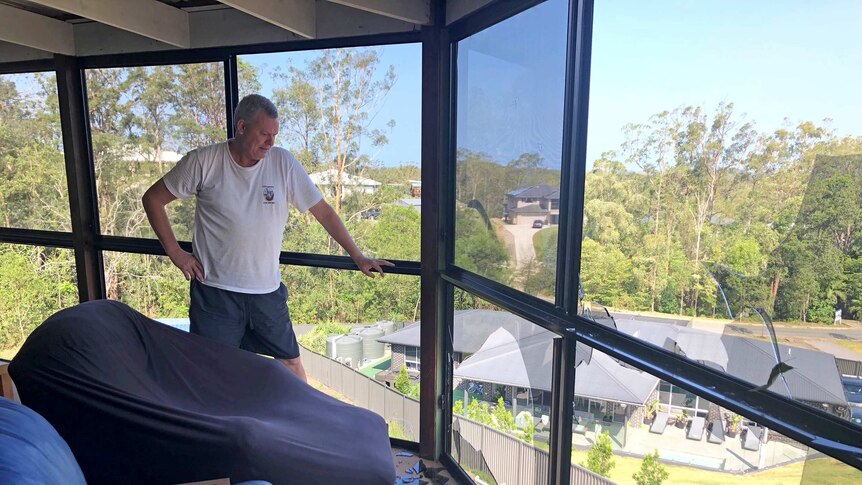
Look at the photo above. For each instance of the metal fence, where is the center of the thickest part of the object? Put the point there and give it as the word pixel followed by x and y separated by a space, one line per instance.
pixel 364 392
pixel 849 367
pixel 482 450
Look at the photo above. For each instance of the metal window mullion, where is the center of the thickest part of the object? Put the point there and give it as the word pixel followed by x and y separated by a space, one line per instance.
pixel 562 399
pixel 436 305
pixel 231 91
pixel 574 156
pixel 80 177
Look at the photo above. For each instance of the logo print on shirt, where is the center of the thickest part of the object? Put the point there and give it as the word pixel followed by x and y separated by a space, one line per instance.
pixel 268 194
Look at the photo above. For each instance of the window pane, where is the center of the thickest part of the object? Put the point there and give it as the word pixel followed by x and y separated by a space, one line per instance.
pixel 352 118
pixel 150 284
pixel 143 120
pixel 33 189
pixel 346 319
pixel 501 403
pixel 720 224
pixel 509 117
pixel 703 444
pixel 35 282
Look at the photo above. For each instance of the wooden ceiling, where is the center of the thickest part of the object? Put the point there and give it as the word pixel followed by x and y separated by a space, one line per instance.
pixel 37 29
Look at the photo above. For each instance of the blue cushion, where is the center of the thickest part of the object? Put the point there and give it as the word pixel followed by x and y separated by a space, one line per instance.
pixel 31 451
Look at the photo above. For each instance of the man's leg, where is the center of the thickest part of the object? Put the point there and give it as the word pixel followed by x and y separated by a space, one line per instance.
pixel 270 331
pixel 216 314
pixel 295 366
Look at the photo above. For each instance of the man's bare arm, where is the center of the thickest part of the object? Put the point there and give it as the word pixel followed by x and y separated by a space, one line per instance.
pixel 325 214
pixel 155 199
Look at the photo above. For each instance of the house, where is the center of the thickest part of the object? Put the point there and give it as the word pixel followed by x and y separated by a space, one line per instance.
pixel 146 155
pixel 498 354
pixel 415 203
pixel 326 182
pixel 528 204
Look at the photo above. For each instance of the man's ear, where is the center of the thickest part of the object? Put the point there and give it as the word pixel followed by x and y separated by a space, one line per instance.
pixel 240 126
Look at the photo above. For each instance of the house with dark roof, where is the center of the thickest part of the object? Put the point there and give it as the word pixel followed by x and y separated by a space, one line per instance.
pixel 528 204
pixel 498 354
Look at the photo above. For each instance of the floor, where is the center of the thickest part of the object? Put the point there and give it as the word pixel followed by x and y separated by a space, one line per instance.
pixel 410 469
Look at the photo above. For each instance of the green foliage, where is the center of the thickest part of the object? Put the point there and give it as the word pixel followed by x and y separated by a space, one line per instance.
pixel 600 457
pixel 477 248
pixel 34 283
pixel 652 471
pixel 315 340
pixel 404 385
pixel 458 407
pixel 402 382
pixel 529 431
pixel 503 419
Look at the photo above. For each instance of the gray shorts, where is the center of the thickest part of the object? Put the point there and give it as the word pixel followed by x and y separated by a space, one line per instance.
pixel 257 323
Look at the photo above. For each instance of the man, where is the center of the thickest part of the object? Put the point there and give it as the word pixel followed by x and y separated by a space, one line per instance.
pixel 244 188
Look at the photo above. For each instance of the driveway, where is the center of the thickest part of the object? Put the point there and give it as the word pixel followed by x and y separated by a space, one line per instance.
pixel 523 242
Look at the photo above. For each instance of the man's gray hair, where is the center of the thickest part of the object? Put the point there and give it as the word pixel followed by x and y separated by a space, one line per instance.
pixel 249 106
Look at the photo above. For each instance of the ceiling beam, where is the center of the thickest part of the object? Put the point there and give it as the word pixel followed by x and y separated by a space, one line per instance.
pixel 297 16
pixel 37 31
pixel 148 18
pixel 413 11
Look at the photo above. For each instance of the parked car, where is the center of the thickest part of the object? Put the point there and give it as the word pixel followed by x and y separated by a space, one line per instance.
pixel 538 224
pixel 853 390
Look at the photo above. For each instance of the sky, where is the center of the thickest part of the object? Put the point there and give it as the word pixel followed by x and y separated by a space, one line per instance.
pixel 793 59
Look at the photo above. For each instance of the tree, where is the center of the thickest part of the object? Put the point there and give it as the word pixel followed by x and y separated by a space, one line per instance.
pixel 404 385
pixel 600 457
pixel 652 471
pixel 327 109
pixel 504 421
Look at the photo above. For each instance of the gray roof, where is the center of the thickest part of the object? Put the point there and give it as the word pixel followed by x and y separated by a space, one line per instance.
pixel 520 356
pixel 814 376
pixel 472 329
pixel 528 363
pixel 537 191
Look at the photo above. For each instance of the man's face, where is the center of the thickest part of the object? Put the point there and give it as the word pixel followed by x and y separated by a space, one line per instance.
pixel 258 136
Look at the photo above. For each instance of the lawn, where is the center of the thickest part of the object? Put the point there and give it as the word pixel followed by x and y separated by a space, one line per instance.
pixel 370 371
pixel 541 239
pixel 850 345
pixel 825 471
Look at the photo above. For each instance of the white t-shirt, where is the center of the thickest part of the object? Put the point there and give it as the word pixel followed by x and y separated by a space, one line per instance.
pixel 241 213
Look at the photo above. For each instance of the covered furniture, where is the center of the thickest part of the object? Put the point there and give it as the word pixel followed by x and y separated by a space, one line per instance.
pixel 659 423
pixel 141 402
pixel 695 428
pixel 715 431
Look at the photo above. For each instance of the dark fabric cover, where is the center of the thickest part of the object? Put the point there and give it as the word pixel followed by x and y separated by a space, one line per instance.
pixel 31 451
pixel 141 402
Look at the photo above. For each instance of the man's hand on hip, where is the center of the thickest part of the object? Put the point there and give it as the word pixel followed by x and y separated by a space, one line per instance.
pixel 367 264
pixel 188 264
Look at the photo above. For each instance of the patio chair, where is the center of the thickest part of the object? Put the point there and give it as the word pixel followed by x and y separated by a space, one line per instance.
pixel 751 441
pixel 695 428
pixel 543 423
pixel 659 423
pixel 715 432
pixel 578 426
